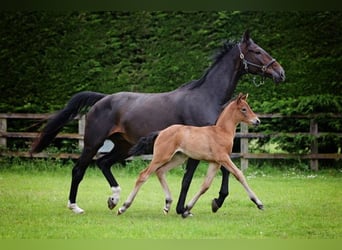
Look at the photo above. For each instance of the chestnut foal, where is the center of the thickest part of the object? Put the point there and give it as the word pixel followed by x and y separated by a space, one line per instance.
pixel 214 144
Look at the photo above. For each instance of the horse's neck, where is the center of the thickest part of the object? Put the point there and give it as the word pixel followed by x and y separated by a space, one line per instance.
pixel 223 77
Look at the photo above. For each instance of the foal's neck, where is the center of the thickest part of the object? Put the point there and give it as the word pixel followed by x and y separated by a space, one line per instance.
pixel 227 120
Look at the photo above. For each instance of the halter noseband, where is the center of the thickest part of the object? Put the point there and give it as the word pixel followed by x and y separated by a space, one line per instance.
pixel 246 63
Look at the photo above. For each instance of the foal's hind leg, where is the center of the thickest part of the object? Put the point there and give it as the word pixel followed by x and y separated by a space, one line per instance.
pixel 161 172
pixel 212 170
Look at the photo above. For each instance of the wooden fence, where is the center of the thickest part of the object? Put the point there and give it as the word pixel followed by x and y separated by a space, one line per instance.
pixel 244 135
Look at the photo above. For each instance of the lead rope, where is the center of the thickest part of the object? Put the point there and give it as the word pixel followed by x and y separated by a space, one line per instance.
pixel 258 84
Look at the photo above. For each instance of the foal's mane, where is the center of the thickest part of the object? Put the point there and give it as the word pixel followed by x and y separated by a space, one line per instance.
pixel 226 104
pixel 217 57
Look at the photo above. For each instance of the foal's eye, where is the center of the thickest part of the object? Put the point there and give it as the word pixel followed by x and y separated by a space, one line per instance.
pixel 243 110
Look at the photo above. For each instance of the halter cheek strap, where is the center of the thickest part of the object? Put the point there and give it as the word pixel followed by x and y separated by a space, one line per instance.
pixel 263 68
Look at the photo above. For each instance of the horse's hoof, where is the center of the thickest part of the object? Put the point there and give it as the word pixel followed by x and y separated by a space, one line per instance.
pixel 76 209
pixel 214 206
pixel 187 214
pixel 111 203
pixel 261 206
pixel 165 211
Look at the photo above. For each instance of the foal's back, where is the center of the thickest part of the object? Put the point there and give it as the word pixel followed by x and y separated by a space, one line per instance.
pixel 201 143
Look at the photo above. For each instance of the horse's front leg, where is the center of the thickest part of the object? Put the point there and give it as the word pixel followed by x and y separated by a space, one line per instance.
pixel 224 191
pixel 189 173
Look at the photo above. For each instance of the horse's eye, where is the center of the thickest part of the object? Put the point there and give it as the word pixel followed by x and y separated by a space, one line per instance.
pixel 258 52
pixel 243 110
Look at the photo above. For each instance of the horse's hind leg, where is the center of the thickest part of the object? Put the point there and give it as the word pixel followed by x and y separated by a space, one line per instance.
pixel 78 172
pixel 212 170
pixel 224 191
pixel 117 155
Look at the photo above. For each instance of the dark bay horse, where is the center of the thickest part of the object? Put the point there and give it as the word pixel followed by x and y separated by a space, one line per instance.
pixel 214 144
pixel 125 117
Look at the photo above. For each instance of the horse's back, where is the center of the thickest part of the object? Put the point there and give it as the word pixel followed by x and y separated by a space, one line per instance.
pixel 137 114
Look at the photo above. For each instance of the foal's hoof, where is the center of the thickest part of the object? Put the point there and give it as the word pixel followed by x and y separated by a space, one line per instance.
pixel 165 211
pixel 111 203
pixel 187 214
pixel 120 211
pixel 214 206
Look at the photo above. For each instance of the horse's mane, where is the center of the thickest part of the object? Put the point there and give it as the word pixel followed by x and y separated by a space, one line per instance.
pixel 217 57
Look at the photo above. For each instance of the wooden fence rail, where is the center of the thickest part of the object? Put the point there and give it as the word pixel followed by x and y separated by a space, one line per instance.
pixel 244 135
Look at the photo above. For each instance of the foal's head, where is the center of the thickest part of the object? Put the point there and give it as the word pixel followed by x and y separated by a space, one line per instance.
pixel 242 112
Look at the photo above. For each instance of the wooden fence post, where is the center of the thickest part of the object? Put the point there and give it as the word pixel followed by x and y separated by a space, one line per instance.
pixel 3 129
pixel 81 126
pixel 243 146
pixel 314 144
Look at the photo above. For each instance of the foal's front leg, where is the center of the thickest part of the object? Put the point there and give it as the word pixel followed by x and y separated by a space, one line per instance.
pixel 241 178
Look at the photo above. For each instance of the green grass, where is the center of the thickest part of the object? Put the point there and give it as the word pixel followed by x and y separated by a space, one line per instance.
pixel 298 205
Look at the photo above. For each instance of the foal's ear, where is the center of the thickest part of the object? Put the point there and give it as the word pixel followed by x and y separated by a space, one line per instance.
pixel 238 99
pixel 241 97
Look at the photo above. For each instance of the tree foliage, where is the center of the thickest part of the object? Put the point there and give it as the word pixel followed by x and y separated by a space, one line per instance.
pixel 46 56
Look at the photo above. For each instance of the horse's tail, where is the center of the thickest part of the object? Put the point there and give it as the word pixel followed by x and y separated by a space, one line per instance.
pixel 78 104
pixel 144 145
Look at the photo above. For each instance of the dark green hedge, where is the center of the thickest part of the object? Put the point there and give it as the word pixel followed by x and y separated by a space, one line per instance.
pixel 46 57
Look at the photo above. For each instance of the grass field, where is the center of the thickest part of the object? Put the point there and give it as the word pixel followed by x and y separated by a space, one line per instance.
pixel 298 205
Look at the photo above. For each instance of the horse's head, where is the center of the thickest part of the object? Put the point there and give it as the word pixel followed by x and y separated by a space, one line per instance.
pixel 256 60
pixel 244 112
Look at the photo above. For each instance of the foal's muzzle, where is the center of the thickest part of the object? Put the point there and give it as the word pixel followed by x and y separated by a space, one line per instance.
pixel 256 122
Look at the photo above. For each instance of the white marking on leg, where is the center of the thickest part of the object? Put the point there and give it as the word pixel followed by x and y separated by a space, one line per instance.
pixel 116 194
pixel 76 209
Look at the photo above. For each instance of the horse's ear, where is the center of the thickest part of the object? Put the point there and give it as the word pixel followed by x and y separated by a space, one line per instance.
pixel 246 37
pixel 245 97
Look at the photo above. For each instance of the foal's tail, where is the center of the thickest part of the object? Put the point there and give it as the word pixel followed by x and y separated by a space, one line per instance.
pixel 78 104
pixel 144 145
